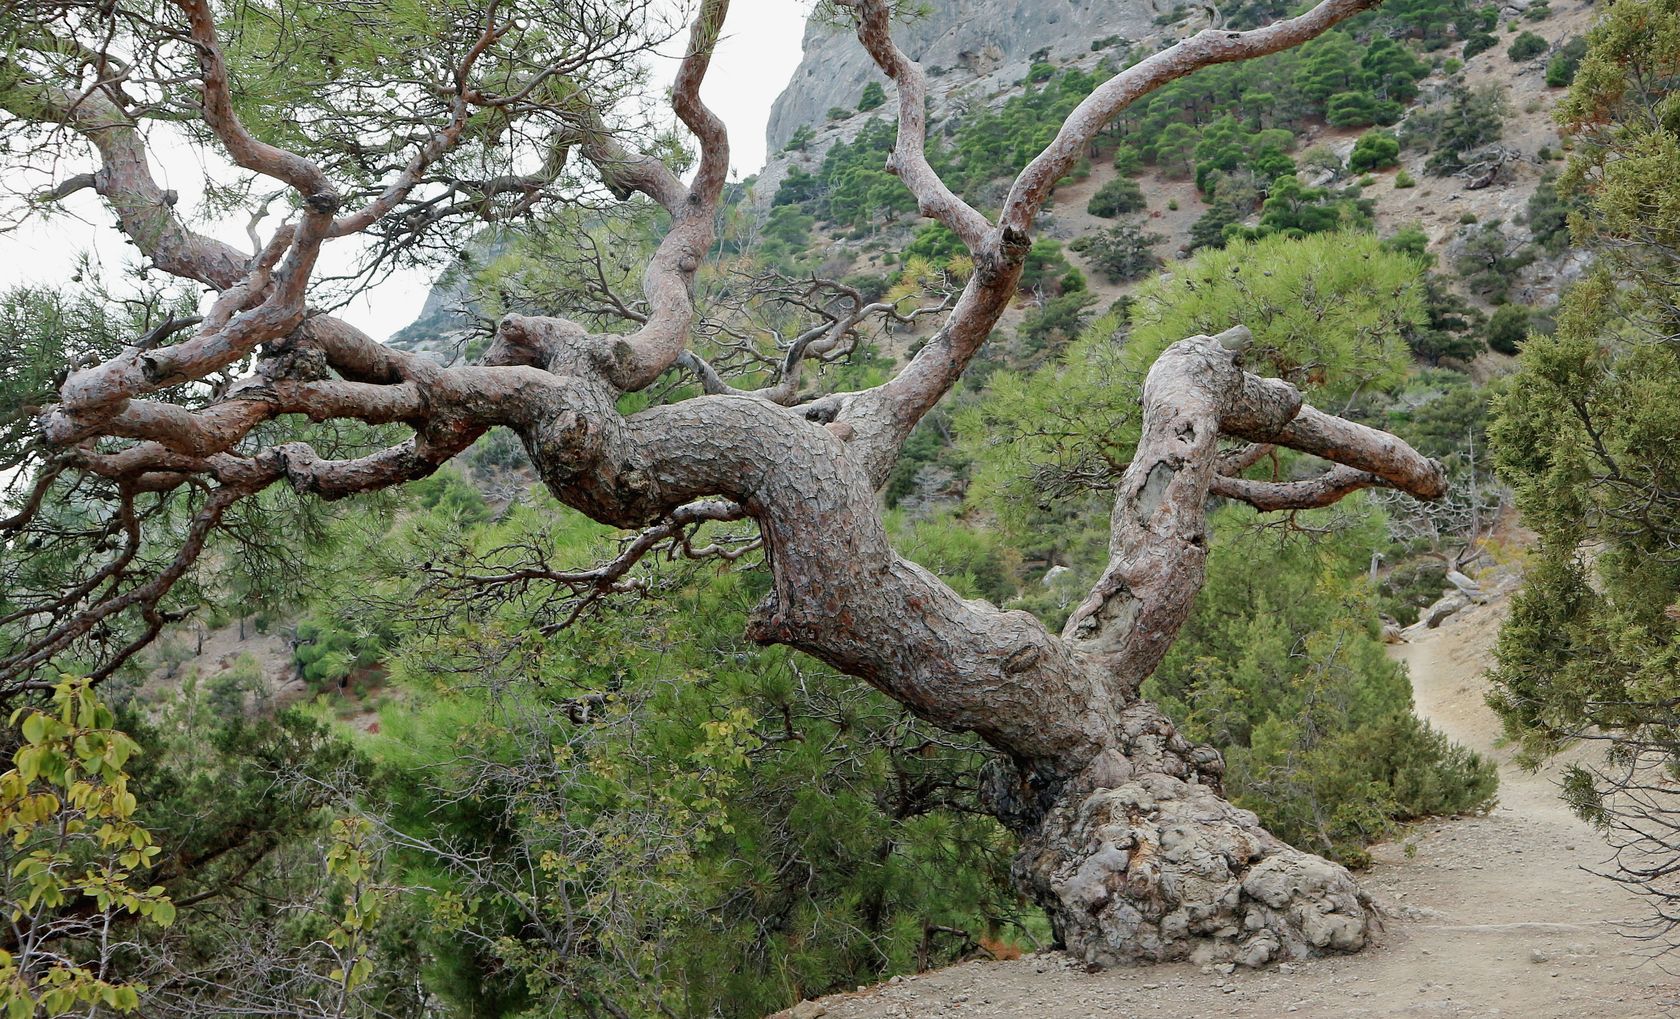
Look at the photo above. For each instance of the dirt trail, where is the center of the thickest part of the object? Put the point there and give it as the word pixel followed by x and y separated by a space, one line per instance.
pixel 1492 916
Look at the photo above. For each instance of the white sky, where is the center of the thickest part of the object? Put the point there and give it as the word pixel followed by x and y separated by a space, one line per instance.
pixel 754 61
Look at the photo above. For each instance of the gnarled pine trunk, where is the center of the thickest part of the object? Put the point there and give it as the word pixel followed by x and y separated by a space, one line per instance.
pixel 1125 838
pixel 1126 841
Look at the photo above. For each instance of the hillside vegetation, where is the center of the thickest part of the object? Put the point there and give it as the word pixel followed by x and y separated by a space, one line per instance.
pixel 540 789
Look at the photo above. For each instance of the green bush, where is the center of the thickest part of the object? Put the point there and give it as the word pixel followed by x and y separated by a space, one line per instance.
pixel 1508 327
pixel 1122 253
pixel 1117 197
pixel 1548 215
pixel 1404 180
pixel 1490 258
pixel 873 95
pixel 1453 326
pixel 1316 719
pixel 800 138
pixel 1127 160
pixel 1469 119
pixel 1046 266
pixel 1478 43
pixel 1058 320
pixel 1360 109
pixel 1526 46
pixel 1375 150
pixel 1560 70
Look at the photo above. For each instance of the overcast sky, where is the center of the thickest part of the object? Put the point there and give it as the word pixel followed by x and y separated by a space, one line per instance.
pixel 755 60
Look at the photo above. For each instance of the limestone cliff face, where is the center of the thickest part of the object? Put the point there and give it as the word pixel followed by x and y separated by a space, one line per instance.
pixel 961 40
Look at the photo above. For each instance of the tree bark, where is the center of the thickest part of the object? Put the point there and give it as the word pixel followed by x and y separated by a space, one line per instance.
pixel 1125 839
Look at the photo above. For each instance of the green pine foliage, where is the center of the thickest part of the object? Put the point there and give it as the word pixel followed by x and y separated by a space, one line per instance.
pixel 1329 312
pixel 1375 150
pixel 683 822
pixel 1221 120
pixel 1526 47
pixel 1449 131
pixel 1285 668
pixel 1122 252
pixel 851 188
pixel 1115 198
pixel 1489 259
pixel 1295 210
pixel 1587 432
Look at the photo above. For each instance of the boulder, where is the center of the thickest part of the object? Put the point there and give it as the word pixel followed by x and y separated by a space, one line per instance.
pixel 1432 616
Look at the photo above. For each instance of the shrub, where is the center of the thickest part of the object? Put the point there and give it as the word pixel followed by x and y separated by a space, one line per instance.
pixel 1120 195
pixel 1452 328
pixel 800 139
pixel 1045 266
pixel 838 113
pixel 1478 43
pixel 1404 180
pixel 1468 120
pixel 873 95
pixel 1526 46
pixel 1360 109
pixel 1209 229
pixel 1122 252
pixel 1490 259
pixel 1508 327
pixel 1548 215
pixel 1375 150
pixel 936 243
pixel 1560 70
pixel 1058 319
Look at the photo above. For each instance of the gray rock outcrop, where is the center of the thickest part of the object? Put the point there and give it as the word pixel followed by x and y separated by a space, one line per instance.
pixel 973 40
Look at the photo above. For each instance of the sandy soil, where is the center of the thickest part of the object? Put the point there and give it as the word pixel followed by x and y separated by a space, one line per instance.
pixel 1491 916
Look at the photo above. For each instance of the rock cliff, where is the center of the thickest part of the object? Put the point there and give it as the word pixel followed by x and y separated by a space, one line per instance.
pixel 981 39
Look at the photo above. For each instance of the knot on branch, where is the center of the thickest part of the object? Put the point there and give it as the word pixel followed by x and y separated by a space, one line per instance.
pixel 533 341
pixel 153 370
pixel 767 625
pixel 293 361
pixel 1014 243
pixel 323 203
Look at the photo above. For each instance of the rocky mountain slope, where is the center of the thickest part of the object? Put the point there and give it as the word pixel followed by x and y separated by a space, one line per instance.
pixel 978 44
pixel 977 54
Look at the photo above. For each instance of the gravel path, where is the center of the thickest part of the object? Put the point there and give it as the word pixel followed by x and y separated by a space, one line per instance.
pixel 1490 916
